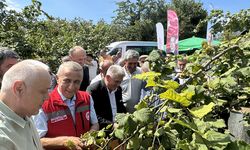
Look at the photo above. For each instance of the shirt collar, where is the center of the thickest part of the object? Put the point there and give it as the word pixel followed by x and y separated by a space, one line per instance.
pixel 11 115
pixel 111 91
pixel 64 98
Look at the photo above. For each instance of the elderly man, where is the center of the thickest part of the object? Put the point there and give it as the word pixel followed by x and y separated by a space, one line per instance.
pixel 78 54
pixel 68 113
pixel 179 77
pixel 103 67
pixel 24 89
pixel 131 87
pixel 7 59
pixel 107 95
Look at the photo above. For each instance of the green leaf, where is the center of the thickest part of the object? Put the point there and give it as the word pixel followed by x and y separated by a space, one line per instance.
pixel 201 111
pixel 144 115
pixel 174 110
pixel 151 83
pixel 214 84
pixel 238 145
pixel 141 104
pixel 220 123
pixel 170 84
pixel 101 134
pixel 183 124
pixel 214 136
pixel 119 133
pixel 147 75
pixel 245 72
pixel 174 96
pixel 159 132
pixel 228 81
pixel 133 143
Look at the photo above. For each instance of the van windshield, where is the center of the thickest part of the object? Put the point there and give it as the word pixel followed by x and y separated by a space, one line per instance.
pixel 143 50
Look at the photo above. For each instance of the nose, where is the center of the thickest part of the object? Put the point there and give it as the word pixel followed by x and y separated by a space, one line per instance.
pixel 71 86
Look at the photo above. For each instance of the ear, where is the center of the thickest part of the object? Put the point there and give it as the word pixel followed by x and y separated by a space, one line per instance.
pixel 19 88
pixel 57 78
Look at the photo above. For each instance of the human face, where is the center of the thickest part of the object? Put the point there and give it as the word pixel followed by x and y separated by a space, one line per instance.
pixel 112 83
pixel 69 82
pixel 182 65
pixel 7 63
pixel 131 64
pixel 36 93
pixel 78 56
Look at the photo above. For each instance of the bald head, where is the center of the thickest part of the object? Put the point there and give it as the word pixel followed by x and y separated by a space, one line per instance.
pixel 71 66
pixel 25 86
pixel 77 54
pixel 104 66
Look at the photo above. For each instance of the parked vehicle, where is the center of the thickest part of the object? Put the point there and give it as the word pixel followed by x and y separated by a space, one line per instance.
pixel 143 47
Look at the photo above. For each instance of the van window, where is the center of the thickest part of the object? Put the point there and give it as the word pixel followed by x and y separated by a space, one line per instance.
pixel 143 50
pixel 114 51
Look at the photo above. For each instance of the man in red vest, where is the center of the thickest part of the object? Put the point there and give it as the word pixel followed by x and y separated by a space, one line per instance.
pixel 68 113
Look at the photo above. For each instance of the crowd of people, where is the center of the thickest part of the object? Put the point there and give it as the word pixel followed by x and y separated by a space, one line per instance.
pixel 39 109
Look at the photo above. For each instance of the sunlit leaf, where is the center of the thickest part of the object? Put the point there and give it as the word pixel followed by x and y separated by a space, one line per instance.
pixel 170 84
pixel 201 111
pixel 170 94
pixel 217 136
pixel 144 115
pixel 219 123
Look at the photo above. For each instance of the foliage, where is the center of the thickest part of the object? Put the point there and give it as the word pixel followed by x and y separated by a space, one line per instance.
pixel 35 34
pixel 193 115
pixel 138 18
pixel 49 39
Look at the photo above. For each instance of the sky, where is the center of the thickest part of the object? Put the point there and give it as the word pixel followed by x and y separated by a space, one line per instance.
pixel 96 10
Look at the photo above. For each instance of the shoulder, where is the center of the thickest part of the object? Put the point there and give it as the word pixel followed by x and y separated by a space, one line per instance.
pixel 94 86
pixel 6 143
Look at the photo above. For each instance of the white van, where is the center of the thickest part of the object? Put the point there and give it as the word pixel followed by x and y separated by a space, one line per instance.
pixel 143 47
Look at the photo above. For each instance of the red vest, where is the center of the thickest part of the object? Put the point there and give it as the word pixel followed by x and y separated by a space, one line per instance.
pixel 60 121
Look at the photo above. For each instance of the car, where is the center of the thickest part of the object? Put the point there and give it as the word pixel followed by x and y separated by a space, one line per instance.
pixel 143 47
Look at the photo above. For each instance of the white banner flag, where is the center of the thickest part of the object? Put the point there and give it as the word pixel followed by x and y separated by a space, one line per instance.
pixel 160 36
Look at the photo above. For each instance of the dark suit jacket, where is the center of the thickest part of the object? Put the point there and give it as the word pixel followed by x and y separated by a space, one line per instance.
pixel 99 93
pixel 85 80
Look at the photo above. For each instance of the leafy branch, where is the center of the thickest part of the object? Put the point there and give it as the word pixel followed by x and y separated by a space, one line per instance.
pixel 205 66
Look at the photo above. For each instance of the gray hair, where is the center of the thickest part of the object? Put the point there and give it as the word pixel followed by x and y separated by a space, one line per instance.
pixel 72 50
pixel 26 70
pixel 71 65
pixel 7 53
pixel 65 58
pixel 130 54
pixel 115 71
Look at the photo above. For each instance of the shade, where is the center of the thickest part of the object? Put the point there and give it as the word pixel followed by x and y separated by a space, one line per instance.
pixel 193 43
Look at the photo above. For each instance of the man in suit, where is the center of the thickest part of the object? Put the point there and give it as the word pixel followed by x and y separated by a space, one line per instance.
pixel 107 96
pixel 78 54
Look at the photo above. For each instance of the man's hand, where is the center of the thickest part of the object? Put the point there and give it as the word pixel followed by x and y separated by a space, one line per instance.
pixel 69 142
pixel 72 143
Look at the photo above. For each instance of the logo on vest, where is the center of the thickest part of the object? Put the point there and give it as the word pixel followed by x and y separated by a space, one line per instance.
pixel 59 118
pixel 87 115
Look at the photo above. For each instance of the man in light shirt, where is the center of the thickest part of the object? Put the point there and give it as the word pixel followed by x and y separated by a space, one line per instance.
pixel 107 95
pixel 68 113
pixel 131 87
pixel 24 89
